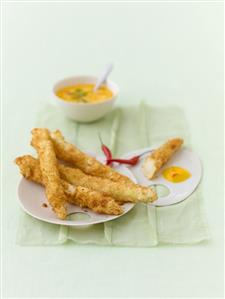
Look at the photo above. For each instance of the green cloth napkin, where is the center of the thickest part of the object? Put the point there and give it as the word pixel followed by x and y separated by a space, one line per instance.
pixel 123 130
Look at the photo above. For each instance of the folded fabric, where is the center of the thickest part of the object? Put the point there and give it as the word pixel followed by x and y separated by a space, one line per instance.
pixel 124 130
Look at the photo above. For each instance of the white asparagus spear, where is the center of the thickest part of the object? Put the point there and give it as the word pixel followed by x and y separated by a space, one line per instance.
pixel 159 157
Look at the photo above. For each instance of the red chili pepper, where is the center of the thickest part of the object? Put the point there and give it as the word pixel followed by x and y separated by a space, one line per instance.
pixel 106 151
pixel 132 161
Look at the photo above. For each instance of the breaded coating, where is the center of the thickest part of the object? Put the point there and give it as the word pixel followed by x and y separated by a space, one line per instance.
pixel 94 200
pixel 120 191
pixel 30 168
pixel 42 142
pixel 159 157
pixel 83 197
pixel 70 153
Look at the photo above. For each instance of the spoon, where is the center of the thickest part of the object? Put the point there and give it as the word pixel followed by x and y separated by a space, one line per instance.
pixel 104 76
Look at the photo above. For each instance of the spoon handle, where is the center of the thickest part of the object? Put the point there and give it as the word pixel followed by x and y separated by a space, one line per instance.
pixel 104 76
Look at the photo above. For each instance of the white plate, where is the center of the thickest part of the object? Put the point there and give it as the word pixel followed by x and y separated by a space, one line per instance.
pixel 177 191
pixel 32 197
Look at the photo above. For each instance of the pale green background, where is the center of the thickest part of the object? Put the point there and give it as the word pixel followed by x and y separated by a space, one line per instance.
pixel 165 53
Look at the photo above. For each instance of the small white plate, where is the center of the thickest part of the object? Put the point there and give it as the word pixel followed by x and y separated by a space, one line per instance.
pixel 32 197
pixel 177 191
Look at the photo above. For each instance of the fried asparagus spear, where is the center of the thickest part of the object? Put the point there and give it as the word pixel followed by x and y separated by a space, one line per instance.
pixel 50 173
pixel 119 191
pixel 154 162
pixel 70 153
pixel 78 195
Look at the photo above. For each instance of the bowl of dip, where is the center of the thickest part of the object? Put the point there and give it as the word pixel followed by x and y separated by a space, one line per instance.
pixel 76 97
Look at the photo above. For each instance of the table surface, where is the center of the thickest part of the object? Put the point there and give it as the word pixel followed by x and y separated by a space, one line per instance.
pixel 167 54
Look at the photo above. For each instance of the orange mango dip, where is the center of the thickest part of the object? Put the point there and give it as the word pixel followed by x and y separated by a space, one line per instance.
pixel 176 174
pixel 84 93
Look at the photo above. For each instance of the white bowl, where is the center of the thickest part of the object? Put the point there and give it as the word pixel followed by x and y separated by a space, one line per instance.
pixel 83 112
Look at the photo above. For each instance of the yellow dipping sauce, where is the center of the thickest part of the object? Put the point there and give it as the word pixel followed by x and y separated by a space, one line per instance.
pixel 83 93
pixel 176 174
